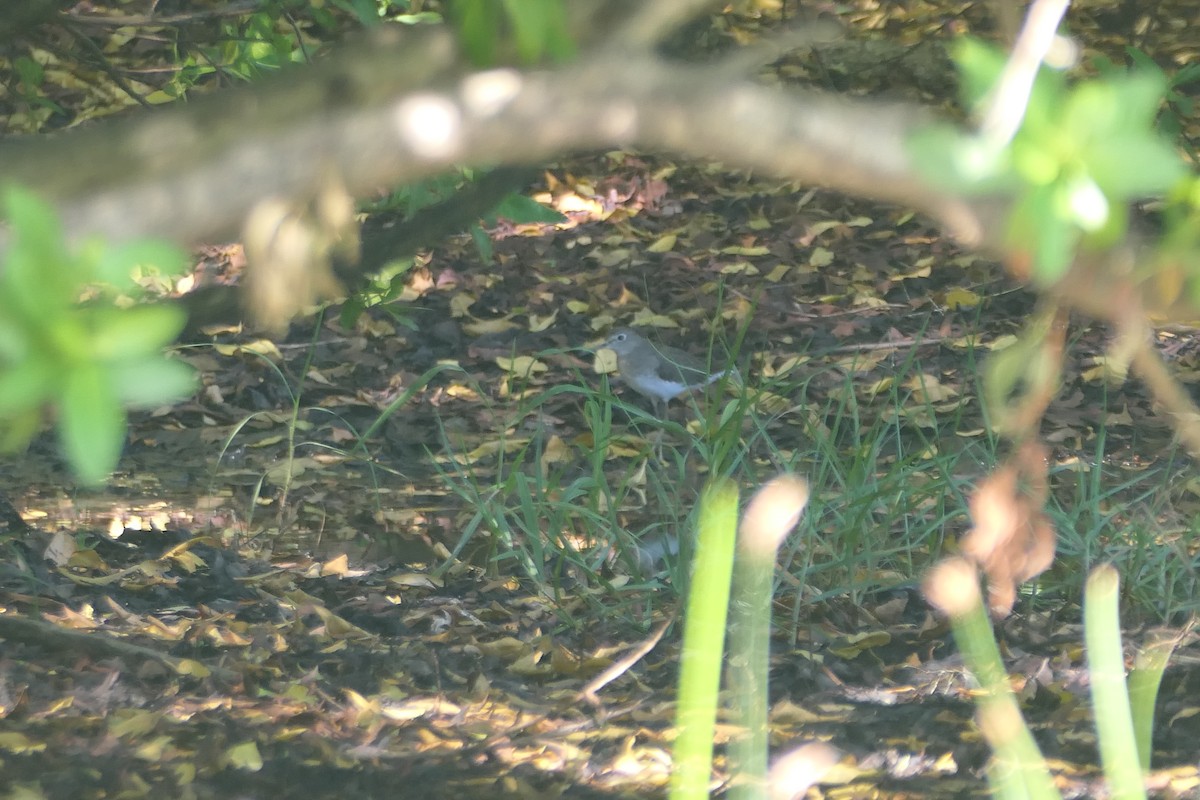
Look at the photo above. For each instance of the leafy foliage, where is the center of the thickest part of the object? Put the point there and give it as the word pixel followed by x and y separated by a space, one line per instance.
pixel 90 361
pixel 537 30
pixel 1081 155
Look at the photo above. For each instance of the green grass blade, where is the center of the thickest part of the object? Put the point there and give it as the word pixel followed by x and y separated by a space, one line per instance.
pixel 703 642
pixel 1144 682
pixel 1110 697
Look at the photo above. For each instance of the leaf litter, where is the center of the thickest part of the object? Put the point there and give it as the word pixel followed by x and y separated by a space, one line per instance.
pixel 235 616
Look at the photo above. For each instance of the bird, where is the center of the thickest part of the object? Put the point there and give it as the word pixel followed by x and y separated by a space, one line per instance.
pixel 659 372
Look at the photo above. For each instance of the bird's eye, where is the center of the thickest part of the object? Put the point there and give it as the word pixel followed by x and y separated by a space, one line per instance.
pixel 620 337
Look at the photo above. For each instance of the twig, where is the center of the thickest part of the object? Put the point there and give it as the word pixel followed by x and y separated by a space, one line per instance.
pixel 1006 108
pixel 867 347
pixel 107 67
pixel 55 637
pixel 622 665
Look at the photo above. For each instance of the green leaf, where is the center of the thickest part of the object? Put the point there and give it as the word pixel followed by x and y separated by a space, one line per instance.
pixel 150 382
pixel 559 44
pixel 28 385
pixel 520 209
pixel 30 72
pixel 39 274
pixel 123 333
pixel 352 309
pixel 1139 97
pixel 1098 110
pixel 115 265
pixel 16 339
pixel 1136 165
pixel 1036 161
pixel 91 423
pixel 1039 226
pixel 483 242
pixel 979 66
pixel 528 25
pixel 1054 250
pixel 954 160
pixel 17 431
pixel 478 27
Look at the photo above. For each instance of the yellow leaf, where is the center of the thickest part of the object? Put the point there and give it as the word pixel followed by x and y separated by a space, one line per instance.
pixel 739 268
pixel 415 579
pixel 881 385
pixel 507 648
pixel 852 646
pixel 486 450
pixel 665 244
pixel 626 447
pixel 187 666
pixel 481 327
pixel 19 743
pixel 960 298
pixel 522 366
pixel 648 319
pixel 153 749
pixel 530 666
pixel 537 323
pixel 460 392
pixel 605 361
pixel 930 388
pixel 338 565
pixel 556 452
pixel 1001 342
pixel 460 304
pixel 134 723
pixel 820 257
pixel 244 756
pixel 578 306
pixel 817 228
pixel 920 272
pixel 777 274
pixel 263 347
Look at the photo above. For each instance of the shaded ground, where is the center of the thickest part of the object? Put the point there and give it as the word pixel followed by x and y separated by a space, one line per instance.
pixel 304 631
pixel 319 673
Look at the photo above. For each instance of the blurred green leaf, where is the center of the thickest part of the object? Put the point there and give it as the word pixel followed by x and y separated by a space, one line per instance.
pixel 1135 166
pixel 115 265
pixel 528 19
pixel 483 242
pixel 479 27
pixel 39 272
pixel 91 423
pixel 520 209
pixel 124 333
pixel 30 73
pixel 17 430
pixel 979 66
pixel 27 385
pixel 151 382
